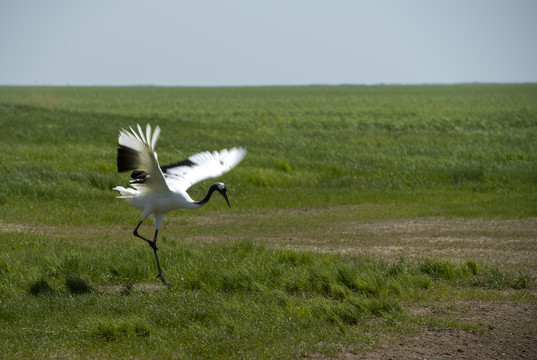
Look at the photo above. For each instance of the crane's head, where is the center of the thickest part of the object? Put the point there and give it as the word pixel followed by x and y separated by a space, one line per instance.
pixel 221 188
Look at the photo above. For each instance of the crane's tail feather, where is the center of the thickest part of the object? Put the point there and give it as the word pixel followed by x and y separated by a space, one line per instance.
pixel 126 193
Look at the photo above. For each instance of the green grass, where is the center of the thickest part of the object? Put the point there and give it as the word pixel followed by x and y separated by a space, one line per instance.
pixel 308 146
pixel 74 283
pixel 227 300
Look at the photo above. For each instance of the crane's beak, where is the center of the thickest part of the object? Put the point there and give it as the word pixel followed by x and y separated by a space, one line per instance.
pixel 224 194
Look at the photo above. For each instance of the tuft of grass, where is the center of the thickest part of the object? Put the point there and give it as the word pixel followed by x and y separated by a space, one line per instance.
pixel 77 286
pixel 494 278
pixel 283 166
pixel 41 287
pixel 472 267
pixel 438 269
pixel 520 281
pixel 116 329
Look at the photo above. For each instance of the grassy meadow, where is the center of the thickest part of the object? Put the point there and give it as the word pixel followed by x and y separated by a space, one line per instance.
pixel 75 283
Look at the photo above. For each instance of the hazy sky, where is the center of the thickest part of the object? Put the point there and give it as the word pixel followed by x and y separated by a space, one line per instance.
pixel 258 42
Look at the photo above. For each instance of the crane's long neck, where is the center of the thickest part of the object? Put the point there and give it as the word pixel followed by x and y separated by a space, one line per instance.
pixel 205 200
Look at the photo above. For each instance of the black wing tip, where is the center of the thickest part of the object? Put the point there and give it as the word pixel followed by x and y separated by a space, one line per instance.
pixel 127 159
pixel 186 162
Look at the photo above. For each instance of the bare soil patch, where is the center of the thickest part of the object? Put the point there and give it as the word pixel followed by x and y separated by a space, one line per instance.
pixel 125 289
pixel 508 331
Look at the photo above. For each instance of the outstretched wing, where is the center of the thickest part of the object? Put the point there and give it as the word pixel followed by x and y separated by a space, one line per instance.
pixel 136 153
pixel 205 165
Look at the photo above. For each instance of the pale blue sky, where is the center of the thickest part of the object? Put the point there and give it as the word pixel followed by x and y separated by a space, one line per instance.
pixel 258 42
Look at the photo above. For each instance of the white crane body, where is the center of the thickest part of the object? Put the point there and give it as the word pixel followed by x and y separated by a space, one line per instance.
pixel 156 190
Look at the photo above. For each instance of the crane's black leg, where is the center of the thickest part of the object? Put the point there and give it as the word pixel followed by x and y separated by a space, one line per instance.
pixel 135 232
pixel 153 245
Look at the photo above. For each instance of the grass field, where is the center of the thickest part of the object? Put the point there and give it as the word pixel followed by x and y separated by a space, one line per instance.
pixel 354 206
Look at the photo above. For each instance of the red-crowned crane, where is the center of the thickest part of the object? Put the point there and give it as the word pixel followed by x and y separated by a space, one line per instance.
pixel 156 189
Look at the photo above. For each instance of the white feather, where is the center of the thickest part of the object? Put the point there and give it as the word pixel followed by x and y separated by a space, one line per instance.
pixel 162 192
pixel 156 193
pixel 154 139
pixel 147 158
pixel 207 165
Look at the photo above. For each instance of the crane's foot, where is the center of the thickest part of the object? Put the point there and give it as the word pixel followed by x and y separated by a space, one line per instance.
pixel 161 277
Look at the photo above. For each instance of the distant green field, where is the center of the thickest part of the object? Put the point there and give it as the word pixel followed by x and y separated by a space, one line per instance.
pixel 432 148
pixel 74 283
pixel 429 146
